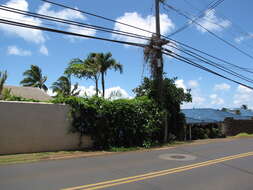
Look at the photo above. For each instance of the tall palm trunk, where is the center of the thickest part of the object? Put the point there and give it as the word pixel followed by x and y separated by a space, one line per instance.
pixel 96 81
pixel 103 83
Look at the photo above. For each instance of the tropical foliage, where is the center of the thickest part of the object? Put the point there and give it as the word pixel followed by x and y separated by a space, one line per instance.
pixel 63 87
pixel 3 78
pixel 173 98
pixel 104 63
pixel 86 69
pixel 244 107
pixel 34 78
pixel 94 66
pixel 118 123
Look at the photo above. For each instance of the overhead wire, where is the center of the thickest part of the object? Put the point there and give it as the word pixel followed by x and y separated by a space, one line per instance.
pixel 96 15
pixel 214 64
pixel 190 62
pixel 69 33
pixel 210 7
pixel 70 22
pixel 209 31
pixel 13 23
pixel 177 43
pixel 141 29
pixel 234 25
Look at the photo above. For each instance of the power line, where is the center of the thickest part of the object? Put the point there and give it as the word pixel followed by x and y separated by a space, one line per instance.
pixel 188 61
pixel 212 33
pixel 3 21
pixel 74 23
pixel 98 16
pixel 212 56
pixel 216 65
pixel 69 33
pixel 210 7
pixel 234 25
pixel 8 22
pixel 141 29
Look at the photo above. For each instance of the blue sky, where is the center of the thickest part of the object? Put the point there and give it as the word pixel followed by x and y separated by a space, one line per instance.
pixel 19 48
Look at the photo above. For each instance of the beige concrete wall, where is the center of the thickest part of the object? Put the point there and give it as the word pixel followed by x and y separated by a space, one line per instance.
pixel 35 127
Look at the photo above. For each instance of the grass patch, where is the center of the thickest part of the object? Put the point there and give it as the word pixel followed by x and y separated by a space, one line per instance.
pixel 244 135
pixel 123 149
pixel 33 157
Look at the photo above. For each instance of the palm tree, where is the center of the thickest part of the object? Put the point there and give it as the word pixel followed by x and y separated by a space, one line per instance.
pixel 84 69
pixel 63 87
pixel 34 78
pixel 244 107
pixel 3 78
pixel 104 63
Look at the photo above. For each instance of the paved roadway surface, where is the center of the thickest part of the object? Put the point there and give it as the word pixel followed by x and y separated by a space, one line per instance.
pixel 217 165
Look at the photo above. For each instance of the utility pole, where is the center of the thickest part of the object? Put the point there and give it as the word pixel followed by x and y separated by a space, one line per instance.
pixel 158 68
pixel 158 62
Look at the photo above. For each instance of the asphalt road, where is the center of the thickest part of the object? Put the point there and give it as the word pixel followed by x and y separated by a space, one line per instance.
pixel 218 165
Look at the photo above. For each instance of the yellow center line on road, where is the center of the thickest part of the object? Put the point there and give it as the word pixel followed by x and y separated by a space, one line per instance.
pixel 131 179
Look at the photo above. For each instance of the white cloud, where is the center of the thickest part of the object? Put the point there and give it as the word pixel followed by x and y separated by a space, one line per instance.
pixel 43 50
pixel 110 93
pixel 243 89
pixel 243 38
pixel 14 50
pixel 116 93
pixel 80 30
pixel 50 92
pixel 216 100
pixel 211 22
pixel 243 96
pixel 193 84
pixel 30 35
pixel 87 91
pixel 67 14
pixel 198 101
pixel 222 87
pixel 147 23
pixel 180 84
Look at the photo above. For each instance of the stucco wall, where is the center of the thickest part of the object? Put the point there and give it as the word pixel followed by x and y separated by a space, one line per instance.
pixel 233 127
pixel 36 127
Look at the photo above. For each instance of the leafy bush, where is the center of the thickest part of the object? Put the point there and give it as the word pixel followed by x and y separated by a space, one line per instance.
pixel 207 131
pixel 118 123
pixel 173 98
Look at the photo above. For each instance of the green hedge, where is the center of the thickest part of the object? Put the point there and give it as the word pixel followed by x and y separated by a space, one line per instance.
pixel 207 131
pixel 118 123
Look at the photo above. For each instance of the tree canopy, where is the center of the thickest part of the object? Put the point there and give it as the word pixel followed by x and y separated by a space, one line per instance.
pixel 34 78
pixel 173 98
pixel 3 78
pixel 64 88
pixel 94 66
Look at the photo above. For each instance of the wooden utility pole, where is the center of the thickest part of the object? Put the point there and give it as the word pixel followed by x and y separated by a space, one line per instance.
pixel 158 68
pixel 158 62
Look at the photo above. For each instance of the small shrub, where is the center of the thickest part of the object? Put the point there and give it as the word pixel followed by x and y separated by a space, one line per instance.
pixel 206 131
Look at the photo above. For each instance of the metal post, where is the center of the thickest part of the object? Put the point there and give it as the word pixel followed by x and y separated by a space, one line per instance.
pixel 190 132
pixel 185 131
